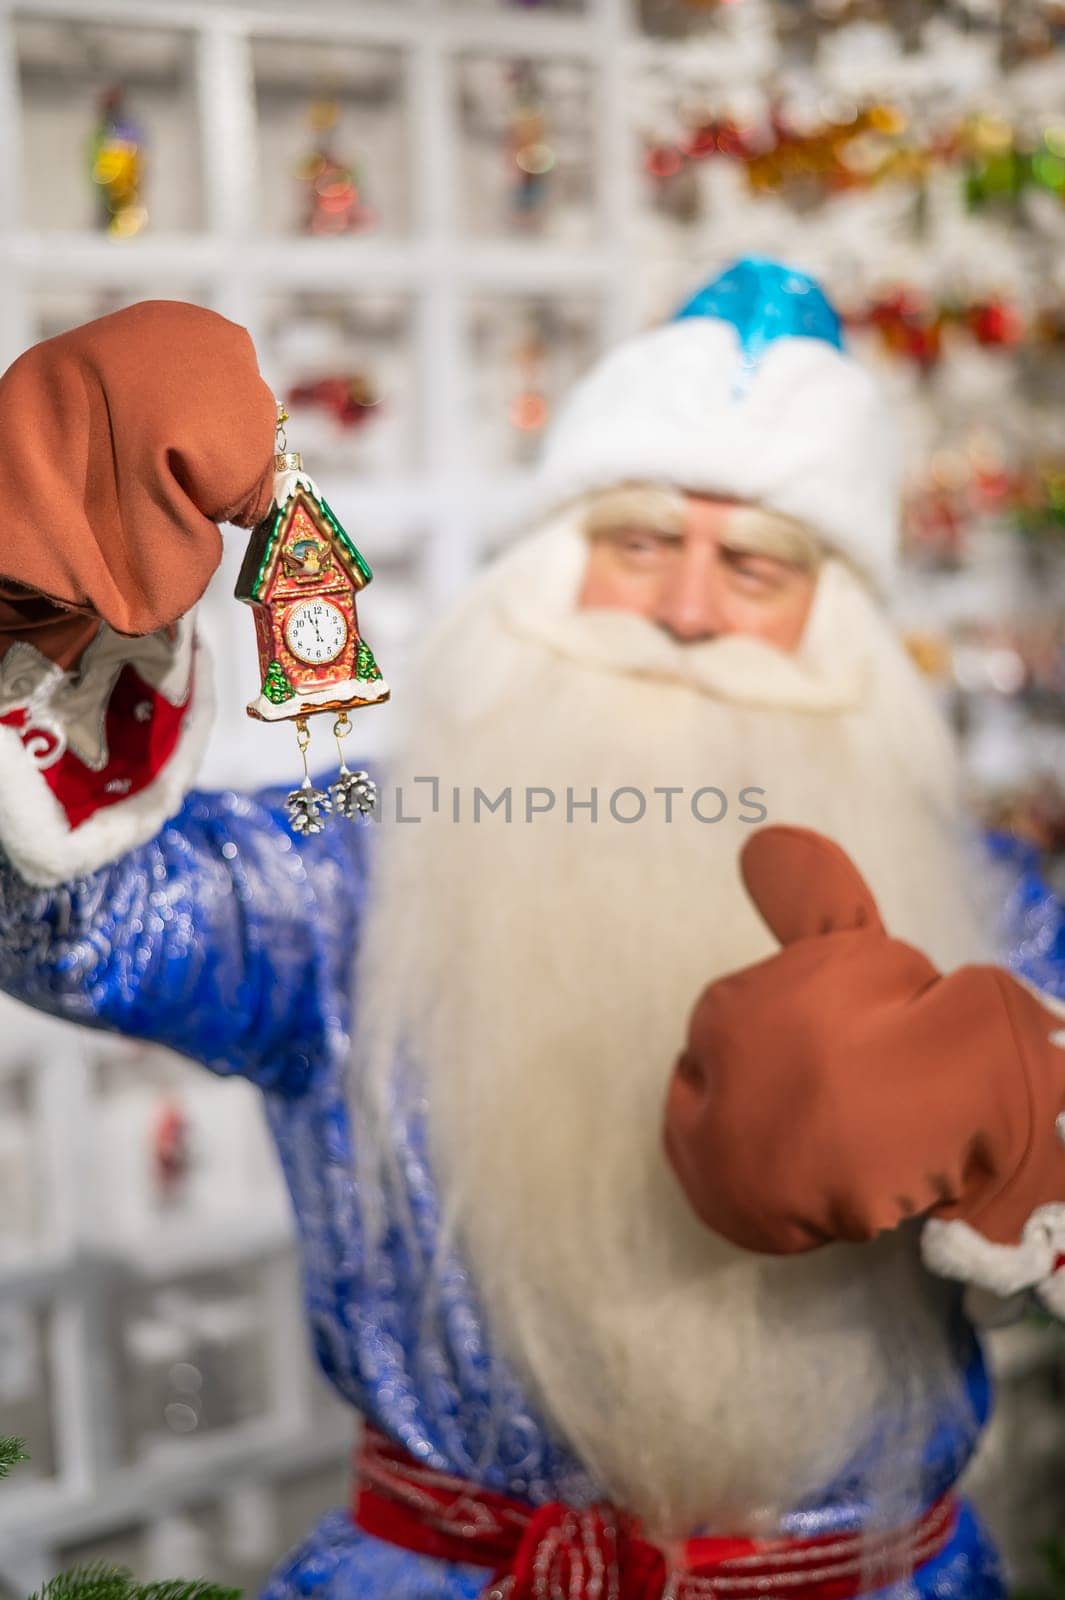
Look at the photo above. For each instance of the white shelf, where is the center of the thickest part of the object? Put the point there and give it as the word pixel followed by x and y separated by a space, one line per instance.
pixel 405 23
pixel 198 1245
pixel 330 264
pixel 34 1277
pixel 185 1476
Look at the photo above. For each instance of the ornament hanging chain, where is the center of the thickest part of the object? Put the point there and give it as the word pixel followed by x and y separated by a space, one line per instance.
pixel 307 807
pixel 354 794
pixel 285 460
pixel 341 729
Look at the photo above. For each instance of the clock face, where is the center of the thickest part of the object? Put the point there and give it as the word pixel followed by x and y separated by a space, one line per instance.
pixel 316 631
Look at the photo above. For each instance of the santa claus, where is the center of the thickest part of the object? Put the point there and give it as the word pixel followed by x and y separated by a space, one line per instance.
pixel 644 1275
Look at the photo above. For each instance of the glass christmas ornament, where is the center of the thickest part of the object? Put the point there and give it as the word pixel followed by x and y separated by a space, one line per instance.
pixel 116 166
pixel 301 574
pixel 333 198
pixel 530 156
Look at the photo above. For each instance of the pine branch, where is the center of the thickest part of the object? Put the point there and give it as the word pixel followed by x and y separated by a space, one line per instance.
pixel 102 1582
pixel 179 1589
pixel 1053 1554
pixel 12 1451
pixel 96 1582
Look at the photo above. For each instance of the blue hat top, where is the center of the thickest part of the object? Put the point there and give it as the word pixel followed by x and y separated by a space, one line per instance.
pixel 766 300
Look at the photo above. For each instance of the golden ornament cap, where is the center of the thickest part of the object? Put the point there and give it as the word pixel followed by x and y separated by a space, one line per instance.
pixel 288 461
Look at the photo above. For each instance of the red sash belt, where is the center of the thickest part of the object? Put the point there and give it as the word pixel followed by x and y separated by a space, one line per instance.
pixel 555 1552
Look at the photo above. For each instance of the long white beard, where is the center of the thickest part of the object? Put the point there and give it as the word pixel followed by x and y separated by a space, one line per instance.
pixel 541 974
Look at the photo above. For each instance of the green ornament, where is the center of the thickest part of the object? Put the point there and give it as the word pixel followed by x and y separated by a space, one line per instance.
pixel 276 687
pixel 365 665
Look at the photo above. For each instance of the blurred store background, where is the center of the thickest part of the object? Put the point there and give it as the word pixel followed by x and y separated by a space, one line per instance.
pixel 432 214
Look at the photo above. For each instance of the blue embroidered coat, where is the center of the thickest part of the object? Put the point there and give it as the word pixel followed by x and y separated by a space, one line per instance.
pixel 230 941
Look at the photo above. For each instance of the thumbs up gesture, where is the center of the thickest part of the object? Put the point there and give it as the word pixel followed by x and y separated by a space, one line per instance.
pixel 845 1085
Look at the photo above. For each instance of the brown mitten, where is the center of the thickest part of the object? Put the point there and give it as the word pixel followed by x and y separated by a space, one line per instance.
pixel 127 441
pixel 845 1085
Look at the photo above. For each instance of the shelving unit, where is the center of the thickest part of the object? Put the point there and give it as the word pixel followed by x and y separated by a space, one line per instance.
pixel 426 512
pixel 422 522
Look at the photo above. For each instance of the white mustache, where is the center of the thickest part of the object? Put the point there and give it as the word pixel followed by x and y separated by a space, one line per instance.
pixel 735 667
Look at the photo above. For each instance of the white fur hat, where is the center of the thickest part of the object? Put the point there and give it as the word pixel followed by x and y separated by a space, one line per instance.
pixel 748 393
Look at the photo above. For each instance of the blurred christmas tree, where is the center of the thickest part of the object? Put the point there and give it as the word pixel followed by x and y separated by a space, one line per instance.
pixel 102 1582
pixel 1053 1553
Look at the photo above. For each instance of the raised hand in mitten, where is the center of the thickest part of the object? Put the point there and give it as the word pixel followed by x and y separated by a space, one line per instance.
pixel 845 1085
pixel 126 441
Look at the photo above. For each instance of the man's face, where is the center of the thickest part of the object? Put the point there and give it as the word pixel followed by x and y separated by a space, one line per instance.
pixel 700 580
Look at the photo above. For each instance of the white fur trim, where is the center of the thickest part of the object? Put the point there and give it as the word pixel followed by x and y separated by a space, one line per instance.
pixel 957 1250
pixel 810 438
pixel 34 831
pixel 70 708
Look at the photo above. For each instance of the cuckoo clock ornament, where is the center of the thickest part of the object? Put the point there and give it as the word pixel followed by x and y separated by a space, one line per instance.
pixel 301 574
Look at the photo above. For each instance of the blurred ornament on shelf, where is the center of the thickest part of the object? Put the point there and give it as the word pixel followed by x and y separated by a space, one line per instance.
pixel 851 149
pixel 526 146
pixel 930 653
pixel 1040 505
pixel 525 353
pixel 911 324
pixel 570 6
pixel 171 1149
pixel 963 488
pixel 1002 161
pixel 530 156
pixel 1022 658
pixel 676 18
pixel 807 145
pixel 673 179
pixel 116 166
pixel 935 527
pixel 1022 29
pixel 529 409
pixel 1037 28
pixel 351 399
pixel 786 152
pixel 333 203
pixel 344 365
pixel 1007 680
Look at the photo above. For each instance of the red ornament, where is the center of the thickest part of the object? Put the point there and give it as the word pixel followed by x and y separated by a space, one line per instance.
pixel 301 573
pixel 995 322
pixel 663 161
pixel 173 1157
pixel 350 398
